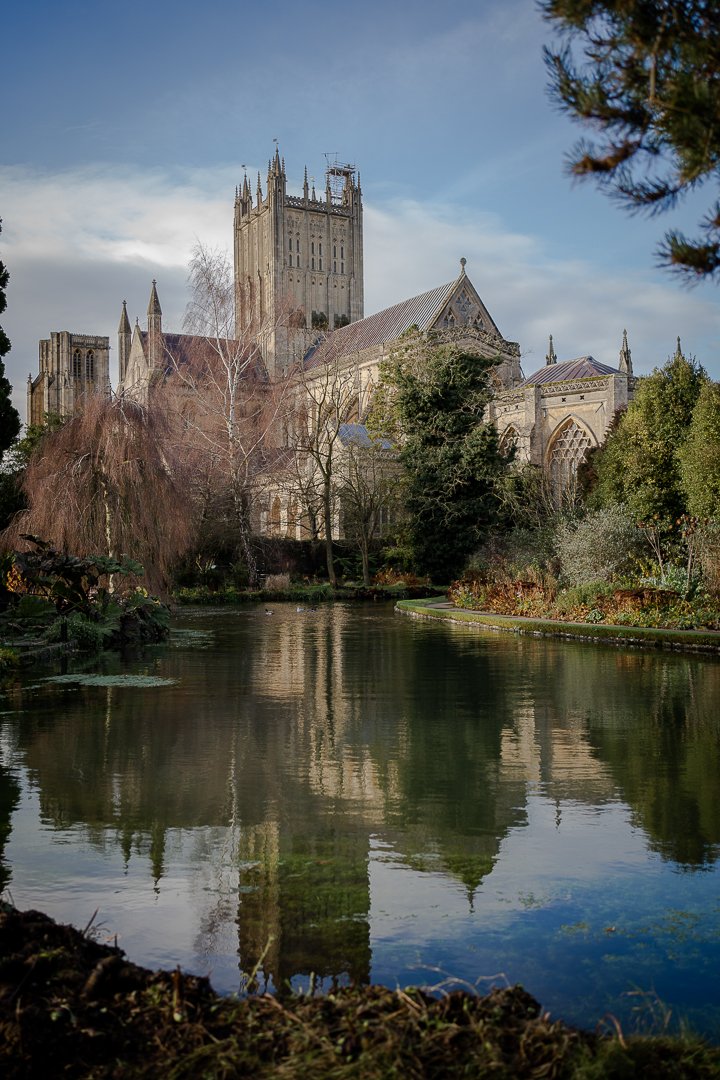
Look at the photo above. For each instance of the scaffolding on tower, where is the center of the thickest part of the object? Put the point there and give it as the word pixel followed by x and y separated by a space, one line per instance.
pixel 337 175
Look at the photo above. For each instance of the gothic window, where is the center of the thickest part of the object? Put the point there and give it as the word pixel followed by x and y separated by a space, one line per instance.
pixel 508 440
pixel 297 260
pixel 320 264
pixel 567 450
pixel 312 264
pixel 334 251
pixel 297 245
pixel 90 366
pixel 77 365
pixel 334 266
pixel 342 251
pixel 312 248
pixel 290 242
pixel 320 249
pixel 342 267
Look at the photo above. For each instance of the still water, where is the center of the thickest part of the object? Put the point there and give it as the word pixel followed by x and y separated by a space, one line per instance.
pixel 371 798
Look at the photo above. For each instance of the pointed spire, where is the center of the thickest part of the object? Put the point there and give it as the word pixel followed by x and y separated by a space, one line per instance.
pixel 124 327
pixel 313 196
pixel 678 351
pixel 245 187
pixel 306 189
pixel 551 357
pixel 259 192
pixel 154 305
pixel 625 362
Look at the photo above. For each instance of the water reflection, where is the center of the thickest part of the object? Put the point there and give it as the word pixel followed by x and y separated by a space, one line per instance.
pixel 291 750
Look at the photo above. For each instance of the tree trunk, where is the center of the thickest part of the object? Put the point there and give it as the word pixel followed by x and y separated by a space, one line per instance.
pixel 241 516
pixel 327 503
pixel 365 553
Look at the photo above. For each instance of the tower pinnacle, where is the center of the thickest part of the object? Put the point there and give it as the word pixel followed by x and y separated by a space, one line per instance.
pixel 551 357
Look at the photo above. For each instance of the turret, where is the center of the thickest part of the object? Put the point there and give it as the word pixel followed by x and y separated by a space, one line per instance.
pixel 551 357
pixel 625 361
pixel 154 327
pixel 124 340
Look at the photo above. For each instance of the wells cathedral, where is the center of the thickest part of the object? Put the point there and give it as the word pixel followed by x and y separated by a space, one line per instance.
pixel 298 266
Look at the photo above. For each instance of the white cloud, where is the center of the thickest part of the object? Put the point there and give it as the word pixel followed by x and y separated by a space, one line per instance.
pixel 79 241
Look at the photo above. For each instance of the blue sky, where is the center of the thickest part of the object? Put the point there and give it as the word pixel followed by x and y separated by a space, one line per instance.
pixel 126 128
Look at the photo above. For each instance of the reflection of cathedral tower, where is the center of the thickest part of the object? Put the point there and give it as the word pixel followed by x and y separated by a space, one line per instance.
pixel 298 259
pixel 304 903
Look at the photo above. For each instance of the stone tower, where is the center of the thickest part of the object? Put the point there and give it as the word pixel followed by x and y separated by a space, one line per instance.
pixel 72 367
pixel 298 260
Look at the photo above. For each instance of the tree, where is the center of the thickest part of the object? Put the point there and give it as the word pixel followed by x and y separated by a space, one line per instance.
pixel 368 490
pixel 325 395
pixel 649 82
pixel 9 416
pixel 103 483
pixel 700 455
pixel 450 455
pixel 225 407
pixel 639 464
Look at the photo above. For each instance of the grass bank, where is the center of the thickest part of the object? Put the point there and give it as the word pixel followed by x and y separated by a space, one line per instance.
pixel 304 594
pixel 693 640
pixel 72 1007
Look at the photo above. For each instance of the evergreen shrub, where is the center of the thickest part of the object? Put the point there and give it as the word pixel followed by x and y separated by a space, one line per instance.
pixel 603 546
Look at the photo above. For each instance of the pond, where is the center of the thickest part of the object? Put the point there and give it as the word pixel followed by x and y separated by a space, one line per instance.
pixel 350 795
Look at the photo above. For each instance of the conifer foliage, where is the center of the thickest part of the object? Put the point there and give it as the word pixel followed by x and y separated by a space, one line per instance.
pixel 450 455
pixel 639 464
pixel 9 418
pixel 645 74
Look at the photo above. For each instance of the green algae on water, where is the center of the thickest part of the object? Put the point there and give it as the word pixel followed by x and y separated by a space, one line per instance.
pixel 140 681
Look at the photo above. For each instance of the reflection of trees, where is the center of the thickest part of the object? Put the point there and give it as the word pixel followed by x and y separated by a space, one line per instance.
pixel 9 799
pixel 663 747
pixel 292 740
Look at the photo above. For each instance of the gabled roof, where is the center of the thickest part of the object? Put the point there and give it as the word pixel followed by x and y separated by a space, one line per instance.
pixel 387 325
pixel 185 349
pixel 585 367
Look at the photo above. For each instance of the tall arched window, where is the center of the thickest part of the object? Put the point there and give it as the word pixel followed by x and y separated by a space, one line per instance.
pixel 566 451
pixel 508 439
pixel 90 365
pixel 77 364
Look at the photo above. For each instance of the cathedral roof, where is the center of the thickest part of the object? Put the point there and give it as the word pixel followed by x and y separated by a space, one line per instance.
pixel 389 324
pixel 186 349
pixel 585 367
pixel 359 435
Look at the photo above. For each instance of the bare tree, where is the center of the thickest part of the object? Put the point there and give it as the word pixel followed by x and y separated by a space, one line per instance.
pixel 326 396
pixel 105 483
pixel 226 407
pixel 369 489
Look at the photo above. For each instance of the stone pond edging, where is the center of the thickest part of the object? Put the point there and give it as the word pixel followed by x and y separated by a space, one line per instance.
pixel 707 641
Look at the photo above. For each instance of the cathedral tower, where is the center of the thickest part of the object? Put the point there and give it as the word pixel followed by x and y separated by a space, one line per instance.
pixel 298 260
